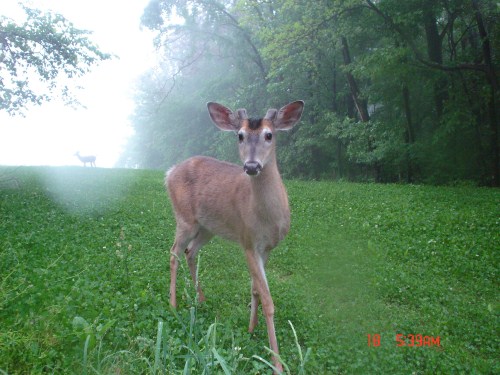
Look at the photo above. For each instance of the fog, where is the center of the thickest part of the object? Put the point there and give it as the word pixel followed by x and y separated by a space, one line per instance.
pixel 51 134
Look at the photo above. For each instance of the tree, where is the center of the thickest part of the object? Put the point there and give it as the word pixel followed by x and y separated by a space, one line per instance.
pixel 208 55
pixel 462 67
pixel 394 90
pixel 46 47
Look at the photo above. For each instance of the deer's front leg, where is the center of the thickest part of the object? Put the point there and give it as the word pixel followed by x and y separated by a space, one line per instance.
pixel 259 282
pixel 254 305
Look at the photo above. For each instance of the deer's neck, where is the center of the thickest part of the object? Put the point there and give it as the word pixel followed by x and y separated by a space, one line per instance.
pixel 269 193
pixel 267 178
pixel 270 202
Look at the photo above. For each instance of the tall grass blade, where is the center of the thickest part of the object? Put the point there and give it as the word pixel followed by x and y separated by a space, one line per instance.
pixel 306 357
pixel 197 280
pixel 299 349
pixel 285 366
pixel 211 335
pixel 221 362
pixel 158 347
pixel 187 366
pixel 265 362
pixel 174 312
pixel 168 360
pixel 99 357
pixel 192 322
pixel 85 354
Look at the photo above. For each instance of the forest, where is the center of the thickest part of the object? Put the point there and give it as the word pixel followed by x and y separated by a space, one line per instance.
pixel 395 91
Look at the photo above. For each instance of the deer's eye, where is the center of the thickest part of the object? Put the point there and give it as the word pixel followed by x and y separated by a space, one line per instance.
pixel 240 137
pixel 269 136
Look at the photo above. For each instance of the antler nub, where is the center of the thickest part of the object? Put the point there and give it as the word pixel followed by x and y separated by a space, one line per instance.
pixel 271 114
pixel 242 114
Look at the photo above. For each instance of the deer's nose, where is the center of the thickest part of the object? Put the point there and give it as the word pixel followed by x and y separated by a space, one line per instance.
pixel 252 168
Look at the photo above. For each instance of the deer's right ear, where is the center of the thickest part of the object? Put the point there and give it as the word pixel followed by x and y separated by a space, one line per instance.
pixel 223 117
pixel 289 115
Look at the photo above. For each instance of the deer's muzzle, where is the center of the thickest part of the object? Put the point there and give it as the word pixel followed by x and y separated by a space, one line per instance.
pixel 252 168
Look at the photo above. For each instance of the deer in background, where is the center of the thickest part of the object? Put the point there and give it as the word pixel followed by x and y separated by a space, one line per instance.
pixel 86 159
pixel 246 205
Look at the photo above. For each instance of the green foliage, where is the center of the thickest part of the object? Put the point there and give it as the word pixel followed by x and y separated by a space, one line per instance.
pixel 46 46
pixel 419 70
pixel 84 279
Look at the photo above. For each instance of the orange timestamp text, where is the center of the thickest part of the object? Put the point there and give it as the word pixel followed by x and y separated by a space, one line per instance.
pixel 410 340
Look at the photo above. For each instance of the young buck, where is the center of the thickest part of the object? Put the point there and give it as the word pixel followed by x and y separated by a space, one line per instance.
pixel 246 205
pixel 86 159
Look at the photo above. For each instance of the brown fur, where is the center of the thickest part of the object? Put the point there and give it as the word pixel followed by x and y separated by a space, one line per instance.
pixel 212 197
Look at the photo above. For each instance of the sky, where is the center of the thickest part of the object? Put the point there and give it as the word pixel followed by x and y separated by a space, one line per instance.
pixel 52 133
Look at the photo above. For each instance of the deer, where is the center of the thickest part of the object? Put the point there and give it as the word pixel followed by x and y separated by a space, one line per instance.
pixel 86 159
pixel 246 205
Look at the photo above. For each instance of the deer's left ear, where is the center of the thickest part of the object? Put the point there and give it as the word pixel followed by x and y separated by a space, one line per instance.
pixel 289 115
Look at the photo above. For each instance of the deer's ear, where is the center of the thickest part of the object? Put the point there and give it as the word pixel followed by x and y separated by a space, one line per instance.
pixel 289 115
pixel 224 118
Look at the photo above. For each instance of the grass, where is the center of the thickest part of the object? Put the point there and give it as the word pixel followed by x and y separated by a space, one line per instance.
pixel 84 257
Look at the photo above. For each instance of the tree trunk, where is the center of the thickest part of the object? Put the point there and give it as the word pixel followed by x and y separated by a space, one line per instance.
pixel 361 104
pixel 334 88
pixel 409 133
pixel 494 139
pixel 435 54
pixel 492 105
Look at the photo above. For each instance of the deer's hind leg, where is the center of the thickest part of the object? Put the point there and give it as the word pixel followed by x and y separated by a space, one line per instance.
pixel 201 238
pixel 184 234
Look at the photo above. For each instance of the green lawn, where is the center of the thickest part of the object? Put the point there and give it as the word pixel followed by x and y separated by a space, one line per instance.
pixel 84 257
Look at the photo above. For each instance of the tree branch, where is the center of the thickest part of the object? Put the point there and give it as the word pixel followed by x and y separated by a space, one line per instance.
pixel 418 55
